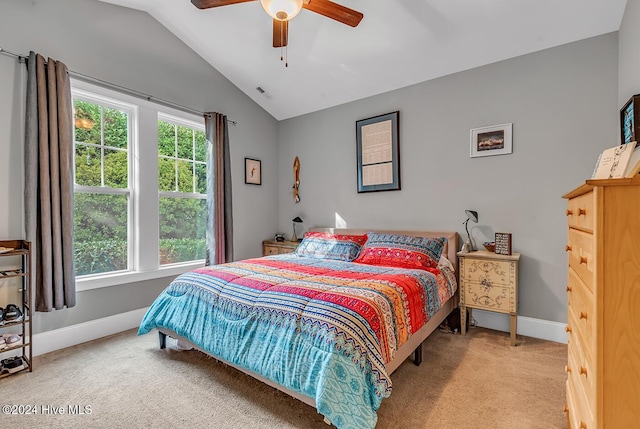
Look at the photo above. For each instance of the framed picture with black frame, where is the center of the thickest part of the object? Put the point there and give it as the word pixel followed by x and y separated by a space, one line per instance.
pixel 252 171
pixel 378 153
pixel 630 120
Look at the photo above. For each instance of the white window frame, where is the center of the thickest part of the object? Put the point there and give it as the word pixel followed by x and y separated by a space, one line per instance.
pixel 143 227
pixel 174 120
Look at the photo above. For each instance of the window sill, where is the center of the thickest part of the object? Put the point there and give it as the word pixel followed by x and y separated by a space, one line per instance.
pixel 115 279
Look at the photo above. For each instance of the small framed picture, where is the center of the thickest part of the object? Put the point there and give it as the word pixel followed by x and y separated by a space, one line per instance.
pixel 252 171
pixel 493 140
pixel 630 120
pixel 503 243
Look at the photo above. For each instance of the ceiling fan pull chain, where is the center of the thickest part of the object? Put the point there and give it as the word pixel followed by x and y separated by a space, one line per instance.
pixel 286 60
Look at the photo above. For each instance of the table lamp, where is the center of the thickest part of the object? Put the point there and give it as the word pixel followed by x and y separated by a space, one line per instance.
pixel 471 216
pixel 295 220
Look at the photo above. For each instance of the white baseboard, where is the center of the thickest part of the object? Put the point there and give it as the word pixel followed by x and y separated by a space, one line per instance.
pixel 527 326
pixel 82 332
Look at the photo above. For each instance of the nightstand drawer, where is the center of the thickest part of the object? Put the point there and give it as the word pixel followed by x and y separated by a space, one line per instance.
pixel 581 249
pixel 489 296
pixel 271 250
pixel 489 272
pixel 581 211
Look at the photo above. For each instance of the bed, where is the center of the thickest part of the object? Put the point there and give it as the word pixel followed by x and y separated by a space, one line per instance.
pixel 326 324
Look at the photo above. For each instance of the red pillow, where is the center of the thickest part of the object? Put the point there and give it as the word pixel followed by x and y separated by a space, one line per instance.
pixel 402 251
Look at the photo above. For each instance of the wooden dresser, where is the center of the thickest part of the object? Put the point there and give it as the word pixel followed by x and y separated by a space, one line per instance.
pixel 603 368
pixel 272 247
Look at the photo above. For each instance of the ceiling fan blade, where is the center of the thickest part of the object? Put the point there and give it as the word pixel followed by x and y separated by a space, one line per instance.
pixel 280 33
pixel 206 4
pixel 334 11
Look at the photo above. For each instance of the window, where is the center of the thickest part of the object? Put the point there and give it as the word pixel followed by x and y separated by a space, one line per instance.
pixel 140 188
pixel 182 174
pixel 102 190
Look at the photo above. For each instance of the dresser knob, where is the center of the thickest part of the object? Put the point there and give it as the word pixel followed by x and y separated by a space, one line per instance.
pixel 582 212
pixel 583 260
pixel 567 328
pixel 569 212
pixel 567 248
pixel 583 425
pixel 565 408
pixel 567 369
pixel 569 289
pixel 583 370
pixel 583 315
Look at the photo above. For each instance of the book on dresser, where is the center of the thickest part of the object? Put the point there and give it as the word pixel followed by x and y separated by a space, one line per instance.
pixel 612 163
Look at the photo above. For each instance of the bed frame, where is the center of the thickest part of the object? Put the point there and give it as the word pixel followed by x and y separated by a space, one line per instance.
pixel 412 346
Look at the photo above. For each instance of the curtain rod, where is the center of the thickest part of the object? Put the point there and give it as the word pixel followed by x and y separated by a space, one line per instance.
pixel 133 92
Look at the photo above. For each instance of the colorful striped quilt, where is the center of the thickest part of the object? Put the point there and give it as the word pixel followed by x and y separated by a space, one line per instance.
pixel 322 328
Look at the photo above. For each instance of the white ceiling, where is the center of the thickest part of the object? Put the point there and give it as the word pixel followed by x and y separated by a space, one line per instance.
pixel 398 43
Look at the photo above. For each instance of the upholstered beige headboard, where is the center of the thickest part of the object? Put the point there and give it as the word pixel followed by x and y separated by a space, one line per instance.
pixel 450 249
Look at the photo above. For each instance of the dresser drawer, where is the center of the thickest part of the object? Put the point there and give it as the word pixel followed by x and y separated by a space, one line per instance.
pixel 270 250
pixel 581 250
pixel 581 303
pixel 581 211
pixel 582 367
pixel 578 417
pixel 582 393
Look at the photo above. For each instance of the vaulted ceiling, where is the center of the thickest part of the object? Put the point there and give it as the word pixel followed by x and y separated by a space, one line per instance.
pixel 397 43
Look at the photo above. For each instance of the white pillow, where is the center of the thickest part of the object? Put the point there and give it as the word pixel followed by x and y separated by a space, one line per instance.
pixel 444 262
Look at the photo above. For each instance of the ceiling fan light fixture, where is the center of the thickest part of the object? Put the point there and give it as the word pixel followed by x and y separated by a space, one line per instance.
pixel 282 10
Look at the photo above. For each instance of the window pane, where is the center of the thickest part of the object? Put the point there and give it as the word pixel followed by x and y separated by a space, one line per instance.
pixel 100 233
pixel 166 139
pixel 185 176
pixel 201 178
pixel 115 128
pixel 201 146
pixel 185 143
pixel 166 174
pixel 116 168
pixel 87 122
pixel 182 229
pixel 88 168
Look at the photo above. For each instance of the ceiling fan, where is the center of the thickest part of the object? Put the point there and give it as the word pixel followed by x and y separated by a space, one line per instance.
pixel 282 11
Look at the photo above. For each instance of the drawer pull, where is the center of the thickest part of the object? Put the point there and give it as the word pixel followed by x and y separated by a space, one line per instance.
pixel 583 260
pixel 569 212
pixel 567 328
pixel 583 425
pixel 583 315
pixel 565 408
pixel 582 212
pixel 583 370
pixel 567 248
pixel 567 369
pixel 569 289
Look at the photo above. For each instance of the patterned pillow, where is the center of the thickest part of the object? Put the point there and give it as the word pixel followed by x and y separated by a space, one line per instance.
pixel 323 245
pixel 402 251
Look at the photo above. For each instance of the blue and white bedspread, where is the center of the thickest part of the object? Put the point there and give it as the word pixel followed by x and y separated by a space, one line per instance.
pixel 322 328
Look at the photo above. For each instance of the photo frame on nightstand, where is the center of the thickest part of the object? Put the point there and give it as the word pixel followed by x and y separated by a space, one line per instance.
pixel 503 243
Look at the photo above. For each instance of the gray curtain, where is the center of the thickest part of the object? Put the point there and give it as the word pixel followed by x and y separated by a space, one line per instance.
pixel 219 209
pixel 49 181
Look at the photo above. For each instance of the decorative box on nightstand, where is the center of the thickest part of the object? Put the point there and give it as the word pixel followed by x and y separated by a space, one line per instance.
pixel 272 247
pixel 489 282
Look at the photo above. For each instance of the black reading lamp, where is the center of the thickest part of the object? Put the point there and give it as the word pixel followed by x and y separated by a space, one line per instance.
pixel 295 220
pixel 471 216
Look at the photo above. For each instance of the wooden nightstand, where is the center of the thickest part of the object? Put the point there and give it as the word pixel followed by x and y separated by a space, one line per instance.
pixel 489 282
pixel 272 247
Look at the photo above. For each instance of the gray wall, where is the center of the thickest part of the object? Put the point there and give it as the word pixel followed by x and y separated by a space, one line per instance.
pixel 628 53
pixel 563 106
pixel 128 48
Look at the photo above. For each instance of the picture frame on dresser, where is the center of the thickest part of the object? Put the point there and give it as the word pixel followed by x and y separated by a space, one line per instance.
pixel 630 120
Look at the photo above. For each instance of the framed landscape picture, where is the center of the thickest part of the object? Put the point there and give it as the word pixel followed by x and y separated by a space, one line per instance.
pixel 493 140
